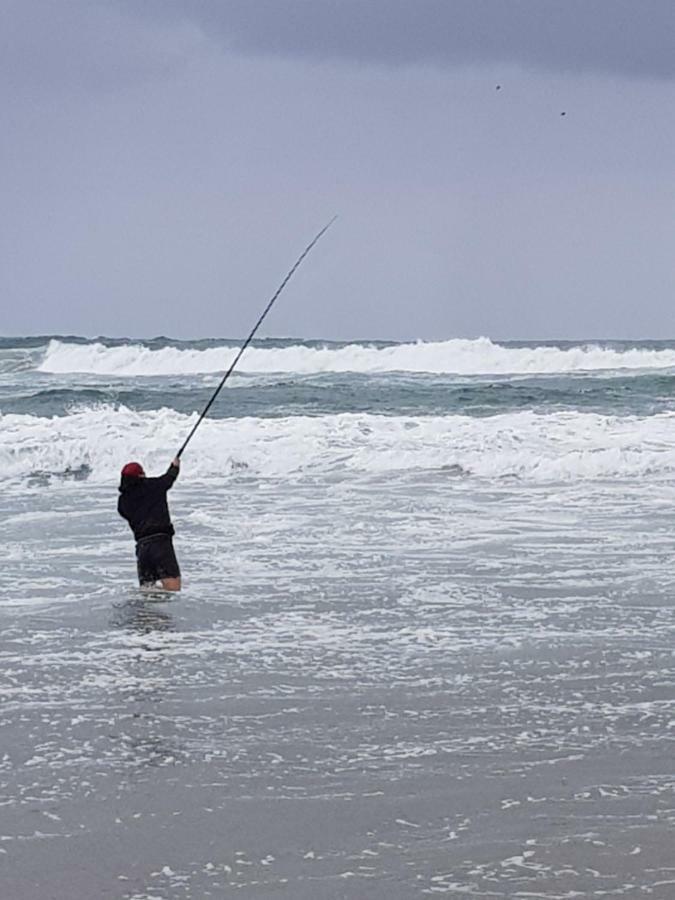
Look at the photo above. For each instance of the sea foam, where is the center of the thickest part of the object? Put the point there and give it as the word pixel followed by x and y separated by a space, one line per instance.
pixel 560 446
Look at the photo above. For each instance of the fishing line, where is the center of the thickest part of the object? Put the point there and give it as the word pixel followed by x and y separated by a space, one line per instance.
pixel 252 334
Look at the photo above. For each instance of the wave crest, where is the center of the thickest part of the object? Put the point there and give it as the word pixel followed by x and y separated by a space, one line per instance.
pixel 458 356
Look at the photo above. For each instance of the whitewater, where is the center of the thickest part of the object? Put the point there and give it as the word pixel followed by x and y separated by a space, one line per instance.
pixel 425 643
pixel 462 357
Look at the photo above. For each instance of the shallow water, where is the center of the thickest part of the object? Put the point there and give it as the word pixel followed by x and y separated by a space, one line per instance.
pixel 365 689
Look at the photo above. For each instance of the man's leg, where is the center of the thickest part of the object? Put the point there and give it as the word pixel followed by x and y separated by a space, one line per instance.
pixel 171 584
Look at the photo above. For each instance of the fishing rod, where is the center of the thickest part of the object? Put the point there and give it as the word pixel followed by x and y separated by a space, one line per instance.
pixel 252 334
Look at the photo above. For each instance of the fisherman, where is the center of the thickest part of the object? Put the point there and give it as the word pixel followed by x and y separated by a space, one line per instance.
pixel 143 504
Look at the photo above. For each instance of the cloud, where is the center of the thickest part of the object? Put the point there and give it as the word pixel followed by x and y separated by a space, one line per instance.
pixel 95 45
pixel 631 38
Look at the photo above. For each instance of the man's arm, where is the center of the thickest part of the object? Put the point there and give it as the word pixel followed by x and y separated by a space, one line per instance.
pixel 168 478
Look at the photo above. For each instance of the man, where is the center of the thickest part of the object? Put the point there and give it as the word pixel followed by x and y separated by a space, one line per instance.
pixel 143 504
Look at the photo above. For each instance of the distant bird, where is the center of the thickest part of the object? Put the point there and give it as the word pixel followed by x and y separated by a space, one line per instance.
pixel 563 113
pixel 498 88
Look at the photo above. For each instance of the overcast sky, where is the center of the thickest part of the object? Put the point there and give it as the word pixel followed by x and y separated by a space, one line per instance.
pixel 499 167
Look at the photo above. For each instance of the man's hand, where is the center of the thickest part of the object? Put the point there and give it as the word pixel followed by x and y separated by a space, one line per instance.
pixel 176 462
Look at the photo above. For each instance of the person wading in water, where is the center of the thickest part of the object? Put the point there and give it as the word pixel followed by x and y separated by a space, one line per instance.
pixel 143 504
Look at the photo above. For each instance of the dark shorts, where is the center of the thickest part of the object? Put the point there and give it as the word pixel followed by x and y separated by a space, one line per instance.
pixel 155 559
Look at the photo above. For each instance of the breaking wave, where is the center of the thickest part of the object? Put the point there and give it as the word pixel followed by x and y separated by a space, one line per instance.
pixel 561 446
pixel 461 357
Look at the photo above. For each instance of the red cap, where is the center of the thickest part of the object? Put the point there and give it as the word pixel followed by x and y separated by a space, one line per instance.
pixel 133 470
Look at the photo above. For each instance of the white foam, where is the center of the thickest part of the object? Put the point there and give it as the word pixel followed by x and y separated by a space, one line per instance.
pixel 461 357
pixel 558 446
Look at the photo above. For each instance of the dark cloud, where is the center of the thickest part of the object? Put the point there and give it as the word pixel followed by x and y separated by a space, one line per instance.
pixel 106 44
pixel 633 38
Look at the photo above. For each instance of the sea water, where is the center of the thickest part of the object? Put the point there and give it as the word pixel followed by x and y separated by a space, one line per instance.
pixel 425 641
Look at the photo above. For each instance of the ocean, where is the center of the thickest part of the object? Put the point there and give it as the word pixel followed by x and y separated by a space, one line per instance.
pixel 425 644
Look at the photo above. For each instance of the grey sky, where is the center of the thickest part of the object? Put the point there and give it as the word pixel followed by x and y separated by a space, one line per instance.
pixel 165 162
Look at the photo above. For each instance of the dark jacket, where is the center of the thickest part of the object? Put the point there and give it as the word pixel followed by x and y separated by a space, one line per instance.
pixel 143 503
